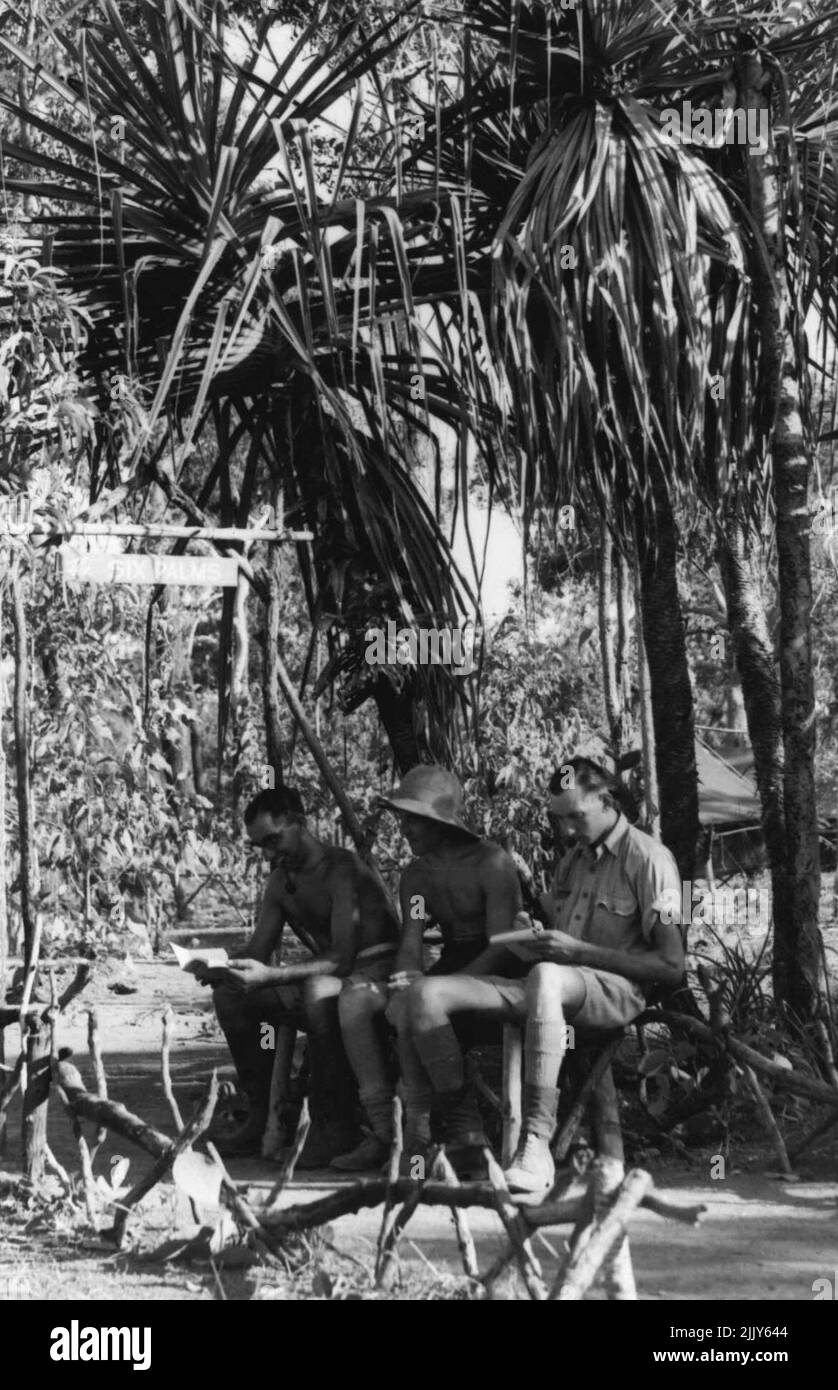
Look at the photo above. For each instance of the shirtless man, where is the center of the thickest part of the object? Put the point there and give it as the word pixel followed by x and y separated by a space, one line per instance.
pixel 470 888
pixel 335 905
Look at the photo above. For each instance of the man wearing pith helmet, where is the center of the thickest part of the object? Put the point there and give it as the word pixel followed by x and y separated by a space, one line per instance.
pixel 470 889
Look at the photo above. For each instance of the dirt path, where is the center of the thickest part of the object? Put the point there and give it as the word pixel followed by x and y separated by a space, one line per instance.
pixel 760 1240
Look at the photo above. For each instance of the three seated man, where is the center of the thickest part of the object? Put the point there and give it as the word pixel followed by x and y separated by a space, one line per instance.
pixel 606 949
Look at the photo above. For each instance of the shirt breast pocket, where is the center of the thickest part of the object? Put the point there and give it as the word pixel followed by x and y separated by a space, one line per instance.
pixel 614 921
pixel 561 899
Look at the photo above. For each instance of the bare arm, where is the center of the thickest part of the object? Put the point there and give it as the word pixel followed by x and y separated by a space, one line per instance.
pixel 269 923
pixel 414 918
pixel 502 891
pixel 664 964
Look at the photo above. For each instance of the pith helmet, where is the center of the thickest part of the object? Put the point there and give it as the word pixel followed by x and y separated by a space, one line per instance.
pixel 596 752
pixel 432 792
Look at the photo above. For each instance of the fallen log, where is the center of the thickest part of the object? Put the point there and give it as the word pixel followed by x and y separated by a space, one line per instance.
pixel 784 1077
pixel 607 1233
pixel 110 1113
pixel 191 1131
pixel 516 1231
pixel 370 1192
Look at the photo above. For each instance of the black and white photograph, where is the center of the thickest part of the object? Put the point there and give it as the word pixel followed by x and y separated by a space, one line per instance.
pixel 418 666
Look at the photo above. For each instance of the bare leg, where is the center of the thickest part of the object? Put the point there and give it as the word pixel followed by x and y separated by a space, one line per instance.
pixel 361 1009
pixel 332 1084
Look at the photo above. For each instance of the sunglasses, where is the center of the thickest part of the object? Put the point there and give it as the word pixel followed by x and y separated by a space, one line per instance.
pixel 267 842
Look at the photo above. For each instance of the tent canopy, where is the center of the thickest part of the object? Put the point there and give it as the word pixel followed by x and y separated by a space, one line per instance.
pixel 725 796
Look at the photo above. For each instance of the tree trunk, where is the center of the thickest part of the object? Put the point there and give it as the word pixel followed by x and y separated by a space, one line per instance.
pixel 624 586
pixel 270 685
pixel 35 1100
pixel 28 865
pixel 796 939
pixel 607 637
pixel 651 795
pixel 4 914
pixel 672 700
pixel 396 712
pixel 753 650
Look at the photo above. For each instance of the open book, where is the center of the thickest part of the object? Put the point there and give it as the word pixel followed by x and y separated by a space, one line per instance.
pixel 206 955
pixel 521 941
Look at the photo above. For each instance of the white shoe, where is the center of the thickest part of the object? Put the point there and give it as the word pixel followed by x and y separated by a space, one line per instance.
pixel 532 1169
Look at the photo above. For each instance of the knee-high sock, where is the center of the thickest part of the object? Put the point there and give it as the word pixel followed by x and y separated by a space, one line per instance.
pixel 544 1050
pixel 441 1057
pixel 416 1089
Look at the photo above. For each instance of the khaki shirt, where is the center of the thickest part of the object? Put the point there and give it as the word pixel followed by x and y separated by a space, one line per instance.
pixel 612 895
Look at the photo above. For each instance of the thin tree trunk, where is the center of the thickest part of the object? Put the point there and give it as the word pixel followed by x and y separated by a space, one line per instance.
pixel 672 700
pixel 753 650
pixel 273 720
pixel 796 939
pixel 607 637
pixel 396 712
pixel 4 914
pixel 651 795
pixel 624 586
pixel 28 867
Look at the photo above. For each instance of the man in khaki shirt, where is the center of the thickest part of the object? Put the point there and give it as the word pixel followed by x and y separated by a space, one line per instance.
pixel 605 950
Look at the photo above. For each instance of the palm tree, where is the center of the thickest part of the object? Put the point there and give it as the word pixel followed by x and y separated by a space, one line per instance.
pixel 648 307
pixel 234 298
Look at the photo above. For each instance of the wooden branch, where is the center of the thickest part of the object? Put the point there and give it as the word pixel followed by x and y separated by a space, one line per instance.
pixel 770 1125
pixel 160 532
pixel 12 1013
pixel 36 1100
pixel 388 1265
pixel 34 951
pixel 513 1062
pixel 20 711
pixel 98 1071
pixel 818 1132
pixel 616 1270
pixel 191 1131
pixel 784 1077
pixel 4 865
pixel 285 1040
pixel 516 1230
pixel 287 1170
pixel 113 1114
pixel 84 970
pixel 58 1169
pixel 567 1133
pixel 11 1086
pixel 168 1020
pixel 110 1113
pixel 607 1232
pixel 396 1149
pixel 444 1169
pixel 370 1192
pixel 263 1240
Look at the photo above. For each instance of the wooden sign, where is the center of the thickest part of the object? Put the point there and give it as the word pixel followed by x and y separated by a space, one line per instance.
pixel 202 571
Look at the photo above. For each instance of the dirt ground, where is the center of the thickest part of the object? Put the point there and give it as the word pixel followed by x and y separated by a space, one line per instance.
pixel 761 1239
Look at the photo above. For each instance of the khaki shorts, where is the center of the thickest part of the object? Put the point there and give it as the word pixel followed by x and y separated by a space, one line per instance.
pixel 611 1001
